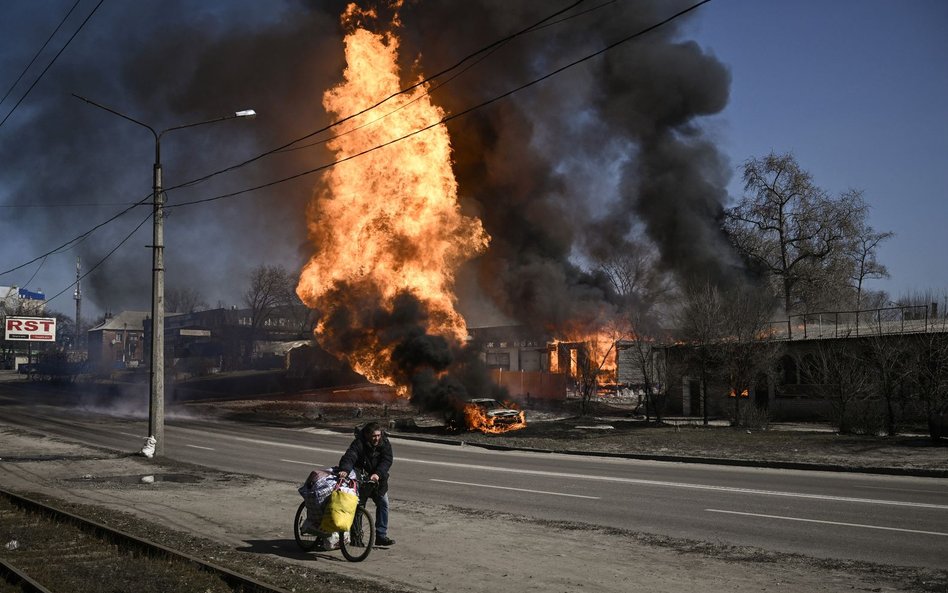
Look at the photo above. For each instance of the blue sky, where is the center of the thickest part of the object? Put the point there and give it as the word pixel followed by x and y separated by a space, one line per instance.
pixel 858 92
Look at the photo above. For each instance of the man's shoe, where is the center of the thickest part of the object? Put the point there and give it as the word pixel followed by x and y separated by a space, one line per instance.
pixel 381 540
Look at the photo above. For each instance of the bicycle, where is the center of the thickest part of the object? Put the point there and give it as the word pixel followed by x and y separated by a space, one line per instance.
pixel 355 543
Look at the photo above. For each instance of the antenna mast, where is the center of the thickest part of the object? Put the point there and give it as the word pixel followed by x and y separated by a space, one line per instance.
pixel 78 296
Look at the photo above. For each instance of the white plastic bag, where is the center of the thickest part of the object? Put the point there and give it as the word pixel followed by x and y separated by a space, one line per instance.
pixel 149 449
pixel 331 541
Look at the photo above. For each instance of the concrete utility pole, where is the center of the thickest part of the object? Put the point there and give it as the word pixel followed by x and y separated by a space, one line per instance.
pixel 156 396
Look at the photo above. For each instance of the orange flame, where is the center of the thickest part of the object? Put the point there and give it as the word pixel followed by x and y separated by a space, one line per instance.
pixel 387 222
pixel 592 347
pixel 475 418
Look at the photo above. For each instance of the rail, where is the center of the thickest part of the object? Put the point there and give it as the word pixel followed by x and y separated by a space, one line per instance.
pixel 19 574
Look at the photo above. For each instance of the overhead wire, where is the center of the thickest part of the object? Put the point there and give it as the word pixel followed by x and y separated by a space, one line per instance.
pixel 431 90
pixel 76 239
pixel 448 118
pixel 67 204
pixel 53 61
pixel 39 51
pixel 369 150
pixel 487 51
pixel 402 91
pixel 35 272
pixel 105 257
pixel 487 48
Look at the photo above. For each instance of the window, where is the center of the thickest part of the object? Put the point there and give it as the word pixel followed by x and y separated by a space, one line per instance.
pixel 498 360
pixel 788 366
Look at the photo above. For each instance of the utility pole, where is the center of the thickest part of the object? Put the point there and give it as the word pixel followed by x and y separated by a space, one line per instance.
pixel 156 401
pixel 156 395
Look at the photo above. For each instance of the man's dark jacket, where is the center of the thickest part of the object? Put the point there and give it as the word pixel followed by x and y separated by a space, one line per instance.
pixel 372 460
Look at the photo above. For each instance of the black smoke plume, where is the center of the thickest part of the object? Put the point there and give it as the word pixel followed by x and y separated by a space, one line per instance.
pixel 607 150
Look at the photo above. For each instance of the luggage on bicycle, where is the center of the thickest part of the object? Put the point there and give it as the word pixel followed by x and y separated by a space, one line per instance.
pixel 318 486
pixel 340 509
pixel 315 492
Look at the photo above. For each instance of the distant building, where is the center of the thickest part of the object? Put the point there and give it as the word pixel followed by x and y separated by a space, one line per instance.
pixel 519 360
pixel 225 340
pixel 118 342
pixel 20 301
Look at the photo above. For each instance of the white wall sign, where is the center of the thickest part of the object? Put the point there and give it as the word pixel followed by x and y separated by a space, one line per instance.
pixel 30 329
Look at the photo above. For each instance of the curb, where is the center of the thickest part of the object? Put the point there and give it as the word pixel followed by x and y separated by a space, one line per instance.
pixel 797 465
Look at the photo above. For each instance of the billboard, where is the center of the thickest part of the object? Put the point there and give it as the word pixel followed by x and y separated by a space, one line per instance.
pixel 30 329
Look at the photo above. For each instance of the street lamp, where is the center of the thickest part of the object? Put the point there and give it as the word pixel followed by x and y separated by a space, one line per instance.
pixel 156 392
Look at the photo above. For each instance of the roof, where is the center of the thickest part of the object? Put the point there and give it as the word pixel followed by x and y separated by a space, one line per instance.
pixel 281 348
pixel 126 320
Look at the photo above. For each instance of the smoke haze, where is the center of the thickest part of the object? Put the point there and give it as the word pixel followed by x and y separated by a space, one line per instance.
pixel 610 149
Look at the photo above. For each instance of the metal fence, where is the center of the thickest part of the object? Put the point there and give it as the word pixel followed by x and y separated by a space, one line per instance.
pixel 851 324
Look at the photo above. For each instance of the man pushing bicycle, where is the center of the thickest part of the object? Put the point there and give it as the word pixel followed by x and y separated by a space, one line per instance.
pixel 371 453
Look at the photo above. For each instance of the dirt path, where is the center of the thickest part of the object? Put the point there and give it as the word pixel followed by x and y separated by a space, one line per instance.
pixel 438 549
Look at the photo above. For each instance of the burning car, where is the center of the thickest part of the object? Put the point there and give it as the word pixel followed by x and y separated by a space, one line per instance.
pixel 486 415
pixel 496 412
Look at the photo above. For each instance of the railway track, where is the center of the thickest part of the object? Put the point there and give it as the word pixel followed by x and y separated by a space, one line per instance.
pixel 47 549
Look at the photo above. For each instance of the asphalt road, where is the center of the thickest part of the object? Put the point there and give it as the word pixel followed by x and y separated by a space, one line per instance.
pixel 883 519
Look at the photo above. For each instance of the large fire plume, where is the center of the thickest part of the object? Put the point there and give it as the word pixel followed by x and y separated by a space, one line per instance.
pixel 387 228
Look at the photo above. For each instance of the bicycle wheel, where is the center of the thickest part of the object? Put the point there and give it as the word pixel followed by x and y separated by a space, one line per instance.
pixel 361 536
pixel 304 539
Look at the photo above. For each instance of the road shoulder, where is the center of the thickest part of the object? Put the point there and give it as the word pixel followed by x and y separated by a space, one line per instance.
pixel 439 548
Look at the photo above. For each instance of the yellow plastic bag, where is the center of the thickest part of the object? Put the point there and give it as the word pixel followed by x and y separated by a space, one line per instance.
pixel 340 511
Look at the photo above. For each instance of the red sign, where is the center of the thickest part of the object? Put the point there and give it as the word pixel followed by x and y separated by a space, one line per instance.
pixel 30 329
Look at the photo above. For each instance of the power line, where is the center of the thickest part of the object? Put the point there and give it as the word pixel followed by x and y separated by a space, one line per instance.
pixel 101 261
pixel 39 51
pixel 407 89
pixel 487 50
pixel 67 205
pixel 451 117
pixel 38 268
pixel 431 91
pixel 77 238
pixel 53 61
pixel 350 157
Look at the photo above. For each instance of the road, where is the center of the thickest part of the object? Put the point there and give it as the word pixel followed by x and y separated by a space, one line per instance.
pixel 882 519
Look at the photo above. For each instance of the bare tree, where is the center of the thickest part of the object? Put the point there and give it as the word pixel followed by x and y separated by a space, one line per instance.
pixel 184 300
pixel 929 374
pixel 862 252
pixel 841 375
pixel 926 304
pixel 789 227
pixel 270 287
pixel 650 367
pixel 891 370
pixel 744 351
pixel 727 334
pixel 642 288
pixel 632 269
pixel 699 321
